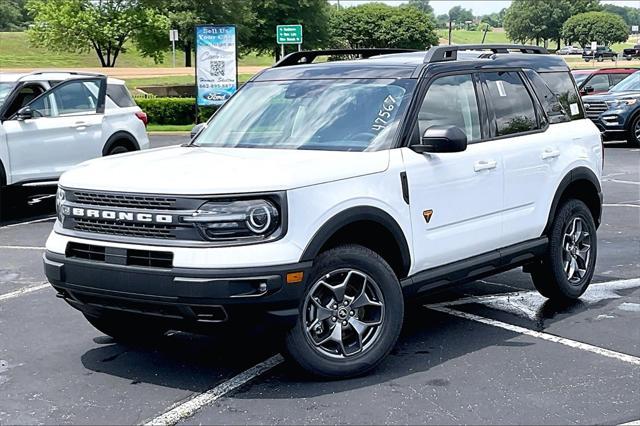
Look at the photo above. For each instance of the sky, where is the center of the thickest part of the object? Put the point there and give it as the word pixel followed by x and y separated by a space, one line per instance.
pixel 479 7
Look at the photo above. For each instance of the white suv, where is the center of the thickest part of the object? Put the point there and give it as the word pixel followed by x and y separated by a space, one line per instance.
pixel 320 196
pixel 51 121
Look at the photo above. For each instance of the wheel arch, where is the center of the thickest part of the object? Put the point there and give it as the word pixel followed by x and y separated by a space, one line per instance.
pixel 3 175
pixel 119 138
pixel 580 183
pixel 369 226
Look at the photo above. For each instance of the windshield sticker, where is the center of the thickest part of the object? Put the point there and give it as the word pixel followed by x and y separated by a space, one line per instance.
pixel 501 90
pixel 385 114
pixel 574 109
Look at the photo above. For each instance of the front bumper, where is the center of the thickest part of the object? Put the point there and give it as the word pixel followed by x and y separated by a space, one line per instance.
pixel 185 298
pixel 612 124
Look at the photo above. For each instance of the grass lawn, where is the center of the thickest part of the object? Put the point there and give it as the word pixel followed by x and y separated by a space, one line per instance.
pixel 16 52
pixel 475 37
pixel 171 80
pixel 169 127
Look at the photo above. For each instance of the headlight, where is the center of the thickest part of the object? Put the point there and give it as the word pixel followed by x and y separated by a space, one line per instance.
pixel 242 219
pixel 622 103
pixel 60 198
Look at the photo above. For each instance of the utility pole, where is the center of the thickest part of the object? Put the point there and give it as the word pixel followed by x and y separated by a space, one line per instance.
pixel 450 22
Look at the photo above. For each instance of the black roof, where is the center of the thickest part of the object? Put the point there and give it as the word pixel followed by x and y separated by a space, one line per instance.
pixel 397 63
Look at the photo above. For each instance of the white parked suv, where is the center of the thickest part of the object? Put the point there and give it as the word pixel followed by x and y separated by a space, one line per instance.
pixel 52 121
pixel 320 196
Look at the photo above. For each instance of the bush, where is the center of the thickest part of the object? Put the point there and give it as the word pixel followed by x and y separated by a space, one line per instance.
pixel 602 27
pixel 173 110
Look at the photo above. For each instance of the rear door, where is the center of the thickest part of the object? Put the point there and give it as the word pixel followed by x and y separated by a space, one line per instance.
pixel 66 129
pixel 455 198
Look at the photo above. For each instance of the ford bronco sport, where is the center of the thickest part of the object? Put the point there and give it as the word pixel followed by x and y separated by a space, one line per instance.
pixel 320 196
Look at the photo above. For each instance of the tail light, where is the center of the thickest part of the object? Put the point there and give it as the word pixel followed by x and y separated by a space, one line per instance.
pixel 142 116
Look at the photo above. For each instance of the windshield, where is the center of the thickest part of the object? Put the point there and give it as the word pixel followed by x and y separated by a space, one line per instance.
pixel 580 77
pixel 630 83
pixel 332 115
pixel 5 89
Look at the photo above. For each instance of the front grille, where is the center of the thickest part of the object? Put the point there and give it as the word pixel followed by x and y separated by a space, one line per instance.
pixel 125 228
pixel 151 259
pixel 104 199
pixel 595 109
pixel 86 251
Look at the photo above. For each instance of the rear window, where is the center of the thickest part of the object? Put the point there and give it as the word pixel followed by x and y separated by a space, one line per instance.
pixel 119 94
pixel 562 86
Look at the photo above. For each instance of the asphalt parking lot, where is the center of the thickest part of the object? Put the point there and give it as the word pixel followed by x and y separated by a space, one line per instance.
pixel 489 352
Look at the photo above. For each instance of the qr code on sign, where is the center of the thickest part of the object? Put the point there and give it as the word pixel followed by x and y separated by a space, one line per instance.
pixel 217 68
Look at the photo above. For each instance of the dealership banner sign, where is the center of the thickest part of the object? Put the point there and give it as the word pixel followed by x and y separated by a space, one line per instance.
pixel 216 64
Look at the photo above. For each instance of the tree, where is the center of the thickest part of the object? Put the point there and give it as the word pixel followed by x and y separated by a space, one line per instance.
pixel 459 15
pixel 13 15
pixel 313 15
pixel 102 25
pixel 379 25
pixel 495 19
pixel 442 21
pixel 422 5
pixel 184 15
pixel 631 15
pixel 602 27
pixel 542 19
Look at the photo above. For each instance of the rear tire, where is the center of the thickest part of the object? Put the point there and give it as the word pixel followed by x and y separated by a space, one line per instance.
pixel 350 316
pixel 126 329
pixel 633 134
pixel 599 59
pixel 568 266
pixel 118 149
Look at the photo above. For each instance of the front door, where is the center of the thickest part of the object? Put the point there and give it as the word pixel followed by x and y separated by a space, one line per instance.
pixel 456 198
pixel 64 130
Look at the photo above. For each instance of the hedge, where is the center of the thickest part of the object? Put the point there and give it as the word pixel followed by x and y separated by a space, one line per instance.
pixel 173 110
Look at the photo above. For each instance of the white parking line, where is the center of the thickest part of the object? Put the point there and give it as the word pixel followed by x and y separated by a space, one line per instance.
pixel 191 406
pixel 23 291
pixel 540 335
pixel 622 205
pixel 22 247
pixel 633 423
pixel 629 182
pixel 27 223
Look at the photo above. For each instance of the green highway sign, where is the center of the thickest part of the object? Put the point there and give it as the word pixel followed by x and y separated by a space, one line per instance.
pixel 289 34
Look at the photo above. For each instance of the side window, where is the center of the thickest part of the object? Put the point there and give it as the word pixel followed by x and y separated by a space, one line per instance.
pixel 74 98
pixel 551 103
pixel 599 82
pixel 617 78
pixel 562 86
pixel 451 101
pixel 119 94
pixel 512 104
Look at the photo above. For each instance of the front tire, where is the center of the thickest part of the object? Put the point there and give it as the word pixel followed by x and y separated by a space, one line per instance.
pixel 350 316
pixel 633 134
pixel 566 270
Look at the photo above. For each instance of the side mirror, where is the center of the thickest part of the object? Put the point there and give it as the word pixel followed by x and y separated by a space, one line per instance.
pixel 589 89
pixel 442 139
pixel 197 129
pixel 24 113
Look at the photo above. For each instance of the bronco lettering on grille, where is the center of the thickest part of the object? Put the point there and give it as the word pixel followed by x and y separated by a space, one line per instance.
pixel 121 216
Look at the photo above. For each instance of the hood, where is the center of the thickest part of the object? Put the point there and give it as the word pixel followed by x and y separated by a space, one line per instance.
pixel 609 96
pixel 200 171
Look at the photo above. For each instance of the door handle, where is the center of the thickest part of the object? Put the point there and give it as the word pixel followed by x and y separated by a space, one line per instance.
pixel 80 125
pixel 550 153
pixel 485 165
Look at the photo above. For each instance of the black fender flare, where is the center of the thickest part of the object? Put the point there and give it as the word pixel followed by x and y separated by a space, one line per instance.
pixel 3 175
pixel 352 215
pixel 579 173
pixel 118 136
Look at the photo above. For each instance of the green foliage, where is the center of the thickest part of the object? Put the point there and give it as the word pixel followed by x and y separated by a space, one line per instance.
pixel 13 15
pixel 422 6
pixel 442 21
pixel 542 19
pixel 313 15
pixel 495 19
pixel 602 27
pixel 104 26
pixel 379 25
pixel 174 111
pixel 459 15
pixel 631 15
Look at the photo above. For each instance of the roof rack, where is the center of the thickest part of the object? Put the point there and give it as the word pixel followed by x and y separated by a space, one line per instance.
pixel 82 73
pixel 308 56
pixel 450 53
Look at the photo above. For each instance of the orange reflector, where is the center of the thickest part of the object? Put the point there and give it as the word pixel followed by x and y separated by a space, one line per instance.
pixel 294 277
